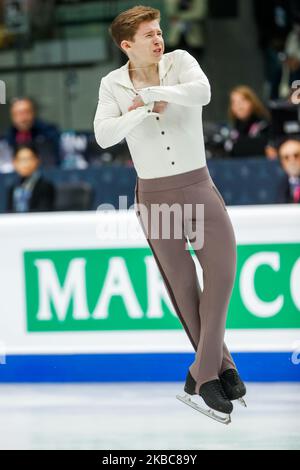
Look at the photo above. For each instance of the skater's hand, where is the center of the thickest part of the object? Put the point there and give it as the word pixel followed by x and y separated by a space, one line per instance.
pixel 159 106
pixel 136 103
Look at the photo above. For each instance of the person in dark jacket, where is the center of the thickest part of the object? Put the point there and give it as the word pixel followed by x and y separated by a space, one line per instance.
pixel 250 123
pixel 274 23
pixel 289 187
pixel 31 193
pixel 27 128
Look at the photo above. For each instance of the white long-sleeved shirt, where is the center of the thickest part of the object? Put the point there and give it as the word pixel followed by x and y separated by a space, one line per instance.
pixel 160 144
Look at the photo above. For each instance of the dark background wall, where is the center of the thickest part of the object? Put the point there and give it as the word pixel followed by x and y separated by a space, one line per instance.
pixel 231 58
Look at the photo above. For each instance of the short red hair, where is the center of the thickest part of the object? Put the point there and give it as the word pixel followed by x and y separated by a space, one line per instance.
pixel 126 24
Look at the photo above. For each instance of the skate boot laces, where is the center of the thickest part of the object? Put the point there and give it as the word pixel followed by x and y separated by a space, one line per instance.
pixel 232 377
pixel 216 387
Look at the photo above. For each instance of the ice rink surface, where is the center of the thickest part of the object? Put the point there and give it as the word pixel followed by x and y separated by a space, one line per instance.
pixel 145 416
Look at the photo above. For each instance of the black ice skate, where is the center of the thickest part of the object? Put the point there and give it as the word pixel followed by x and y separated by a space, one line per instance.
pixel 233 386
pixel 213 395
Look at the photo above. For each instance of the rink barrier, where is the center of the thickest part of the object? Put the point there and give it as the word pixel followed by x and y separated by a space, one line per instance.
pixel 168 367
pixel 78 305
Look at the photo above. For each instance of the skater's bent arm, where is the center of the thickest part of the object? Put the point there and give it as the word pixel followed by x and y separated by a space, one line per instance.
pixel 110 126
pixel 193 88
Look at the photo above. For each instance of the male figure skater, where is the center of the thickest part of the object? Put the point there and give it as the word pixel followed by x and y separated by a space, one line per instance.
pixel 155 102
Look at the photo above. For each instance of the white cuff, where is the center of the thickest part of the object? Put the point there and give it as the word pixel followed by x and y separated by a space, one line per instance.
pixel 144 93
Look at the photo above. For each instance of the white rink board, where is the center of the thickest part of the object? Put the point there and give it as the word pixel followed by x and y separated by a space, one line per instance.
pixel 59 231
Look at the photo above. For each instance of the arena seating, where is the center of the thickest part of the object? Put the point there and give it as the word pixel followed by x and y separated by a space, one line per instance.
pixel 240 181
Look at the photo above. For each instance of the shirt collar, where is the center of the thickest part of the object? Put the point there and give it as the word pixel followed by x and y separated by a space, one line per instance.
pixel 123 78
pixel 30 181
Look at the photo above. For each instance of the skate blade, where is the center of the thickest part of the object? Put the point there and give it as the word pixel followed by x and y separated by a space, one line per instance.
pixel 242 402
pixel 225 419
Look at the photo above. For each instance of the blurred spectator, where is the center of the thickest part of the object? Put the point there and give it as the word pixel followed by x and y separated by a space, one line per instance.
pixel 27 128
pixel 289 155
pixel 73 146
pixel 6 38
pixel 295 10
pixel 6 164
pixel 250 122
pixel 274 22
pixel 292 51
pixel 31 193
pixel 42 18
pixel 271 151
pixel 186 26
pixel 285 124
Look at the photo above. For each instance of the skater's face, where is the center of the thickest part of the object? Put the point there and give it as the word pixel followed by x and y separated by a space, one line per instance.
pixel 290 157
pixel 148 44
pixel 241 107
pixel 26 162
pixel 22 115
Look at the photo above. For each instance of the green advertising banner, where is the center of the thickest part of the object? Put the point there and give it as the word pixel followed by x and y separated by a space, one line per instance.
pixel 121 289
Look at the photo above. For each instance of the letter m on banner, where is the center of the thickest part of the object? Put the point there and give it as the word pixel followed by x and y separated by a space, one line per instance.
pixel 2 92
